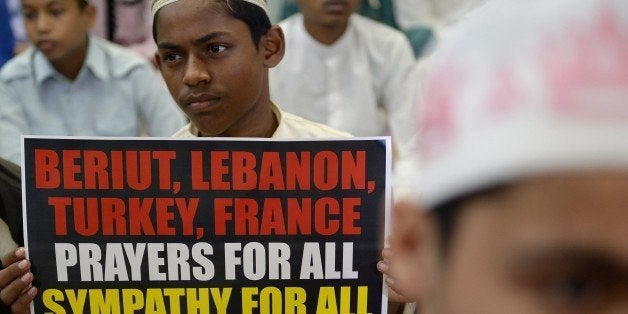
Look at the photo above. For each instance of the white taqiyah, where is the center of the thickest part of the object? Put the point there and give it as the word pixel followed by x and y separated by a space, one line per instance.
pixel 521 89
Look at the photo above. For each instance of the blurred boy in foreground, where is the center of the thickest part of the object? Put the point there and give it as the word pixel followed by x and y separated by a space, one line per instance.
pixel 524 165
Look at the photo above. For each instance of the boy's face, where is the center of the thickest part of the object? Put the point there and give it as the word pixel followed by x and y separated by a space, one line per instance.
pixel 554 244
pixel 212 68
pixel 58 28
pixel 327 12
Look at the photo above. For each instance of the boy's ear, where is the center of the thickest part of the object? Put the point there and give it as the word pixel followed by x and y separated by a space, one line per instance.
pixel 157 60
pixel 90 15
pixel 272 45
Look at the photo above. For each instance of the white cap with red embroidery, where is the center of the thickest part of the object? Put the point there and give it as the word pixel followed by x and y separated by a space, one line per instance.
pixel 522 88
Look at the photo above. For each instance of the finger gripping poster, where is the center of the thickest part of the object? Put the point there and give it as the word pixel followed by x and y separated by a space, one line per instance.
pixel 131 225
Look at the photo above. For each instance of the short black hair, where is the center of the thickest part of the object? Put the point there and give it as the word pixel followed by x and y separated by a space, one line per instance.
pixel 254 16
pixel 447 213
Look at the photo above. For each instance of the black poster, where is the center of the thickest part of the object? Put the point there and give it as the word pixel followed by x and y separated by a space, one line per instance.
pixel 132 225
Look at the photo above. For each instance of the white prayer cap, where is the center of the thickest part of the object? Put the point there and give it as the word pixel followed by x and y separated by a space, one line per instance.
pixel 523 88
pixel 158 4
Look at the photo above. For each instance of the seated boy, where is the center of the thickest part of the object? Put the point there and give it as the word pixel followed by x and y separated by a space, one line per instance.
pixel 351 73
pixel 71 83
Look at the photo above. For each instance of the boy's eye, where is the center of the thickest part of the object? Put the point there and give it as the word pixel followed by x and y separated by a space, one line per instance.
pixel 29 14
pixel 215 48
pixel 569 282
pixel 170 57
pixel 57 11
pixel 575 290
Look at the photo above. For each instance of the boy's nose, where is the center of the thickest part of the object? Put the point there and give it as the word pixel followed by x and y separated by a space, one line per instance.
pixel 44 23
pixel 196 72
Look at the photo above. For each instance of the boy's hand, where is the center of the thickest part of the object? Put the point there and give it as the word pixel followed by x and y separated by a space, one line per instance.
pixel 401 260
pixel 16 288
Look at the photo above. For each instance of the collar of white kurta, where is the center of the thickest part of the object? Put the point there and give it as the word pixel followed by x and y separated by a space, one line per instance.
pixel 191 130
pixel 158 4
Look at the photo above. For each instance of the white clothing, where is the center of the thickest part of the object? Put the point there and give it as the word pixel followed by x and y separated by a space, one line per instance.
pixel 363 84
pixel 290 126
pixel 431 13
pixel 413 13
pixel 275 10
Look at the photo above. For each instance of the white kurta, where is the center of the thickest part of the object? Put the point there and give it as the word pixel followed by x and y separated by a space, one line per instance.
pixel 363 84
pixel 290 126
pixel 436 14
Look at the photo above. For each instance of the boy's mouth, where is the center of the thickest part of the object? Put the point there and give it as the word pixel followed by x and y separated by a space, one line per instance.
pixel 45 45
pixel 336 6
pixel 199 103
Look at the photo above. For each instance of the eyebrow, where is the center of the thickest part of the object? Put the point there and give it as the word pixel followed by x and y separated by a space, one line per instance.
pixel 198 41
pixel 594 261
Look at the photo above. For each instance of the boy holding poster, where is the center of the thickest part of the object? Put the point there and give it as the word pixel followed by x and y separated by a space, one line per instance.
pixel 216 65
